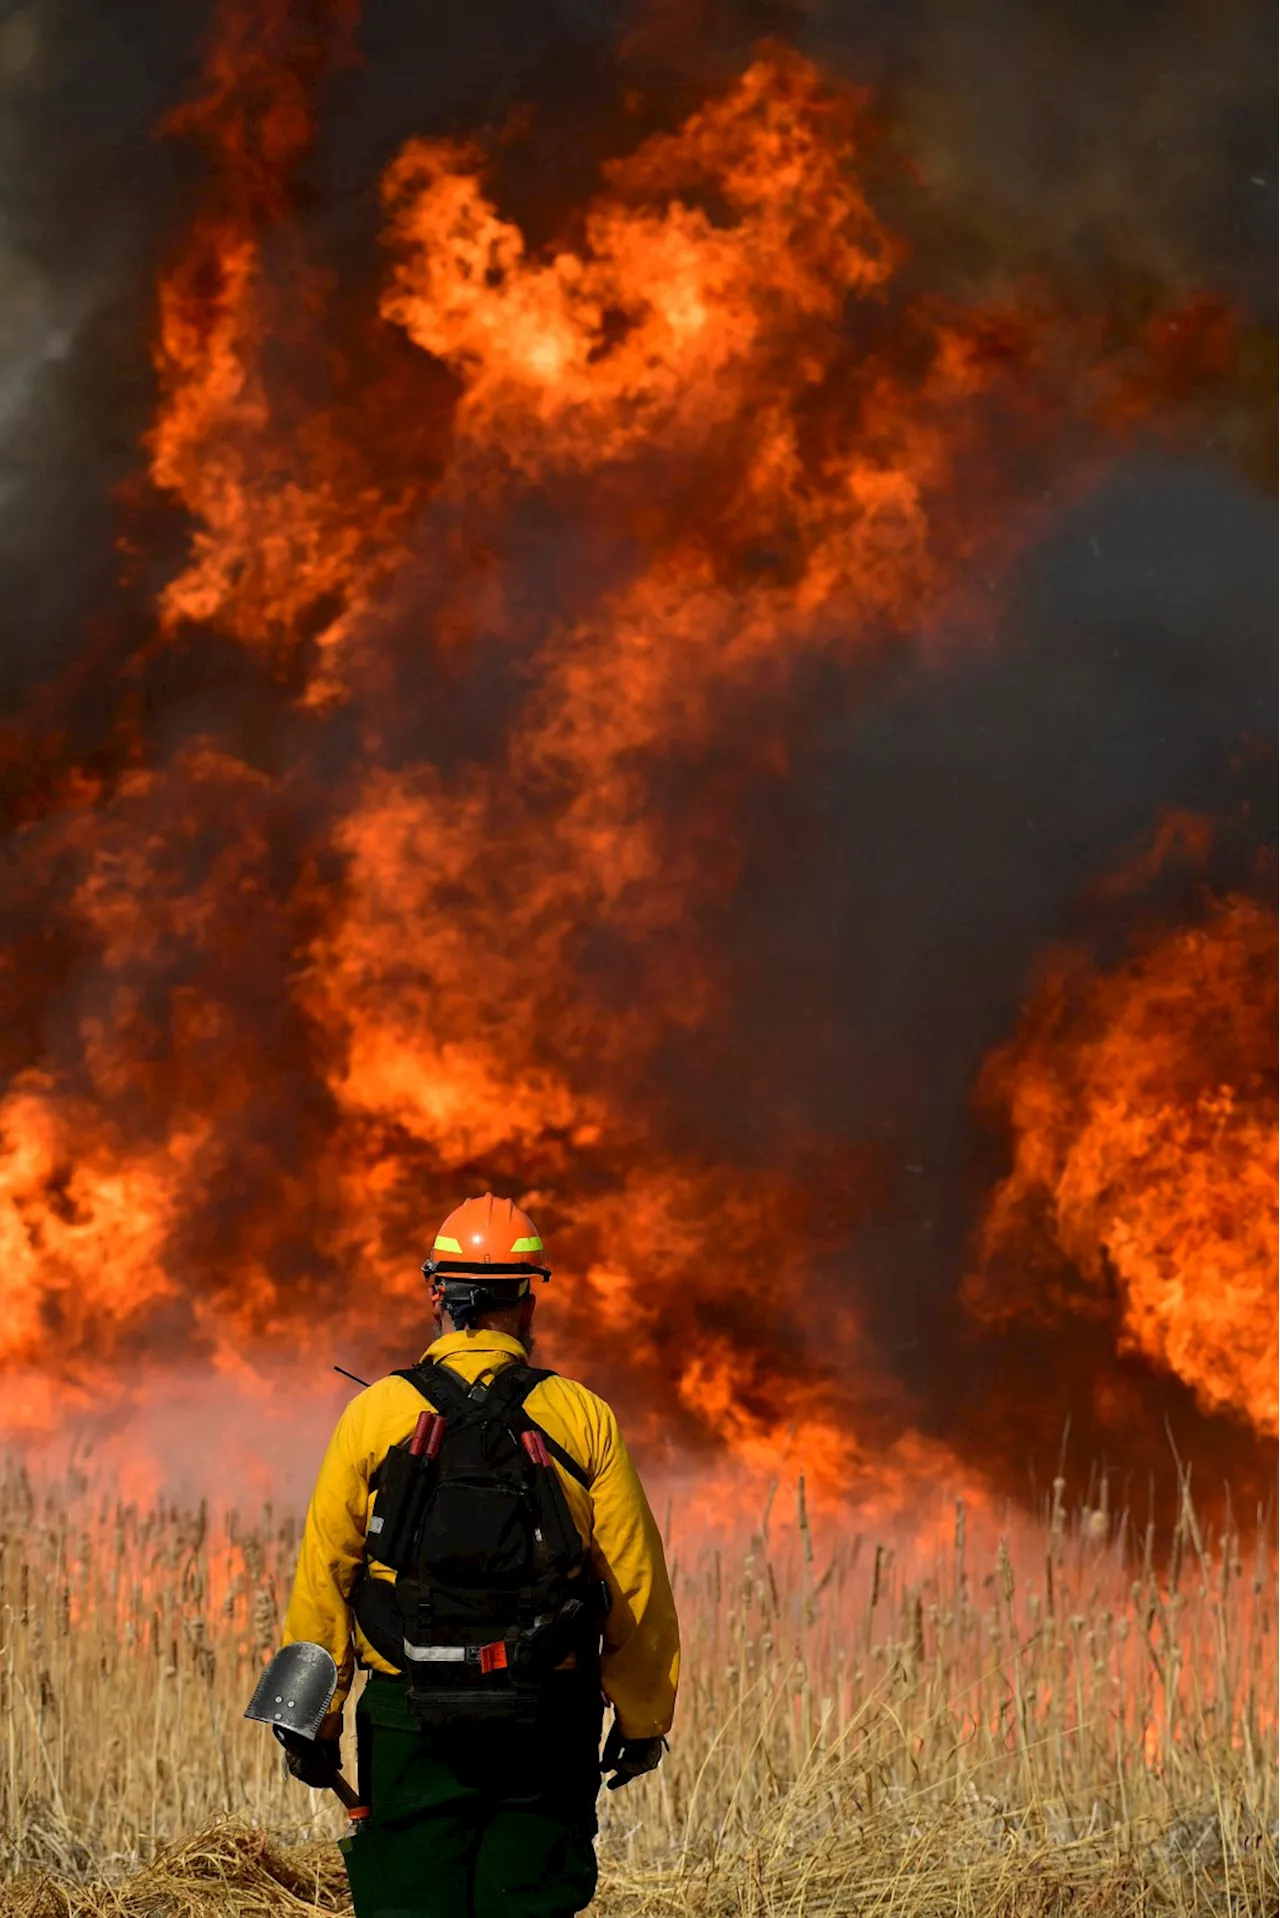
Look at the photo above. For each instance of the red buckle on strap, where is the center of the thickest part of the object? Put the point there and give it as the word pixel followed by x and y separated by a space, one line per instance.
pixel 533 1445
pixel 493 1658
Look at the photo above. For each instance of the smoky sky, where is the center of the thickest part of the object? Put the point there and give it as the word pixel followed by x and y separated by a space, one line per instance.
pixel 939 830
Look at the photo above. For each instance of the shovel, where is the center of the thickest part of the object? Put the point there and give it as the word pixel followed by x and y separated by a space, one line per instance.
pixel 295 1693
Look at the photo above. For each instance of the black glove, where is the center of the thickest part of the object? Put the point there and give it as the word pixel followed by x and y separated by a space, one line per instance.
pixel 629 1758
pixel 313 1761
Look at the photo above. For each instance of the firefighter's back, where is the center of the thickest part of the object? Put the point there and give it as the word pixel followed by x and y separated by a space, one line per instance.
pixel 479 1541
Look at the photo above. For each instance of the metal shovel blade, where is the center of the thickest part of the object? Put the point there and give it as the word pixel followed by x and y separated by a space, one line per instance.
pixel 296 1690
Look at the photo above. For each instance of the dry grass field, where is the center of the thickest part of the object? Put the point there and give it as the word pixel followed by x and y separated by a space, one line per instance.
pixel 1081 1718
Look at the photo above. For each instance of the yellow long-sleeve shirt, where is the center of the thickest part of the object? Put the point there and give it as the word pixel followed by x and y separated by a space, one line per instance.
pixel 640 1660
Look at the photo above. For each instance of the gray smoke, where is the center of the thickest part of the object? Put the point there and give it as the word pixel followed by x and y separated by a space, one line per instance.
pixel 86 195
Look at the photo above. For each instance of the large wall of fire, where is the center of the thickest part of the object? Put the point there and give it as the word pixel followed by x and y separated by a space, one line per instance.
pixel 486 581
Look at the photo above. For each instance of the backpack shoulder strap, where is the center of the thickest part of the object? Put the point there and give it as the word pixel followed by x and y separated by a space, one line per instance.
pixel 562 1457
pixel 506 1399
pixel 442 1389
pixel 511 1387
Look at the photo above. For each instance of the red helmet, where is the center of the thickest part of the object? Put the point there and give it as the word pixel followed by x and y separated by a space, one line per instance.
pixel 488 1239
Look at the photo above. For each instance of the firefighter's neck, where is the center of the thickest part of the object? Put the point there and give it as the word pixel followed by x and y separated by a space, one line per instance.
pixel 515 1320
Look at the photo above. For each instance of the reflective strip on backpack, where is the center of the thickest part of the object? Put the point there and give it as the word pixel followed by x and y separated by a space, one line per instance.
pixel 436 1654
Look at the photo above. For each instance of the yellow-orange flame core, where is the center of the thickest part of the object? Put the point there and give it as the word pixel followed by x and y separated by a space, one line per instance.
pixel 652 329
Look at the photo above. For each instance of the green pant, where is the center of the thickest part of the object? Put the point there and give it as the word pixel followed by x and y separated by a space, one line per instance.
pixel 475 1821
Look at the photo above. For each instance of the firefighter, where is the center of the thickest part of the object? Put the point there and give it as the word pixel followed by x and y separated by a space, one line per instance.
pixel 480 1762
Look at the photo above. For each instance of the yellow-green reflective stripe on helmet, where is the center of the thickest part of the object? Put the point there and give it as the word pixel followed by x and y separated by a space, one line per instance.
pixel 443 1244
pixel 524 1245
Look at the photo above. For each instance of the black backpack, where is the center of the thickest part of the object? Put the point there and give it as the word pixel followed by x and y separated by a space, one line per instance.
pixel 492 1587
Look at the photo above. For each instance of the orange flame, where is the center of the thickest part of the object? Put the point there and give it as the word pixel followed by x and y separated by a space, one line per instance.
pixel 1143 1109
pixel 325 982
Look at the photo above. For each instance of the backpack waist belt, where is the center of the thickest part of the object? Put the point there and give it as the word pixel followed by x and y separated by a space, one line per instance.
pixel 489 1658
pixel 373 1602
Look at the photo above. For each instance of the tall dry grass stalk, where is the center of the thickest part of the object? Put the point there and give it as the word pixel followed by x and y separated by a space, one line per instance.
pixel 989 1724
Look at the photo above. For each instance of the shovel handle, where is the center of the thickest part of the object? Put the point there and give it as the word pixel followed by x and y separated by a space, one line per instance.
pixel 346 1795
